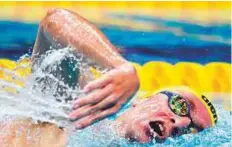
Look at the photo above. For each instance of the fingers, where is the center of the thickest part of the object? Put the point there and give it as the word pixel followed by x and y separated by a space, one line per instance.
pixel 107 107
pixel 125 98
pixel 99 115
pixel 99 83
pixel 74 115
pixel 85 111
pixel 109 101
pixel 93 97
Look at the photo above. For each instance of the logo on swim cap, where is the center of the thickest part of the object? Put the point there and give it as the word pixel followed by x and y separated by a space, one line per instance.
pixel 211 108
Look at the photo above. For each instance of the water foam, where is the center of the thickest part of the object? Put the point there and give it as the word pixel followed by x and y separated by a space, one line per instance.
pixel 38 100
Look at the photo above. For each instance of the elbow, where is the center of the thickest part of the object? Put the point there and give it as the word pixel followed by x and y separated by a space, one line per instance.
pixel 55 11
pixel 53 17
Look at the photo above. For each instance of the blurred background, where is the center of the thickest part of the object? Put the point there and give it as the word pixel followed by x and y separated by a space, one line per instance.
pixel 173 43
pixel 144 31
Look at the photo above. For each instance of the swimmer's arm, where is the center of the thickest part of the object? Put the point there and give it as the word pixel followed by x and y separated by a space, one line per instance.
pixel 106 95
pixel 67 28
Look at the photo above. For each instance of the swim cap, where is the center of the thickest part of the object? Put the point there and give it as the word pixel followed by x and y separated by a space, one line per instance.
pixel 208 105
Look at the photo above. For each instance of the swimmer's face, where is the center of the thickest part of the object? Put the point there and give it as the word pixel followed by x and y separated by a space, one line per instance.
pixel 153 118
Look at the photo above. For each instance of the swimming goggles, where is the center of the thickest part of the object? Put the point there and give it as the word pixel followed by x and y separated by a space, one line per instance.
pixel 180 106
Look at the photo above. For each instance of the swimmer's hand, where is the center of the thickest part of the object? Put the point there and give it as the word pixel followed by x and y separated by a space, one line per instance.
pixel 105 96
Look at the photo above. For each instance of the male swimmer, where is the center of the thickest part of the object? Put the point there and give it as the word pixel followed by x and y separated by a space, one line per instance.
pixel 168 112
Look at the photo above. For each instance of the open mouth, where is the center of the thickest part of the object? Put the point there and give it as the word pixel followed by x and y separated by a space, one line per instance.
pixel 156 127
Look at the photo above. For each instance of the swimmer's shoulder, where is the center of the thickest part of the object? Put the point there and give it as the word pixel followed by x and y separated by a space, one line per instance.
pixel 25 133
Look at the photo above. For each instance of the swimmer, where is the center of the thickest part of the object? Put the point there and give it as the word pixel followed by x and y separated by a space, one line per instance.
pixel 165 113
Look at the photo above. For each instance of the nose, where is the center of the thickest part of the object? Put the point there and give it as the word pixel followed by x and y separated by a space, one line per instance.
pixel 177 125
pixel 180 122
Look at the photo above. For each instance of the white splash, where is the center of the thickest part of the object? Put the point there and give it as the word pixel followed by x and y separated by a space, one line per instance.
pixel 32 101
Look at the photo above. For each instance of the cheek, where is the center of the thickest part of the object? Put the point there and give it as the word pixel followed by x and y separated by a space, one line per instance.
pixel 158 105
pixel 201 117
pixel 150 111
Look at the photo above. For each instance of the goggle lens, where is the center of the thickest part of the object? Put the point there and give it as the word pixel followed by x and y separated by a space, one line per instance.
pixel 179 105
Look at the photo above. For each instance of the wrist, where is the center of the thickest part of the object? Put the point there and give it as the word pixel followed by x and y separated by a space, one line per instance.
pixel 131 71
pixel 118 62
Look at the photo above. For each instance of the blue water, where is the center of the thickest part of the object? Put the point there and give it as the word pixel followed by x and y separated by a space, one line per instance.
pixel 197 43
